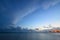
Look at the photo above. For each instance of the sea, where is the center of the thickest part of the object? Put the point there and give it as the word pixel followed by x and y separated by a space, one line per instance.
pixel 29 36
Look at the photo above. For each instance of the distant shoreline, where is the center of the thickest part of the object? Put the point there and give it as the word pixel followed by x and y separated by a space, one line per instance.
pixel 27 32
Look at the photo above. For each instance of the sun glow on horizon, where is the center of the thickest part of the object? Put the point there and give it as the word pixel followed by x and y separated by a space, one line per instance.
pixel 46 27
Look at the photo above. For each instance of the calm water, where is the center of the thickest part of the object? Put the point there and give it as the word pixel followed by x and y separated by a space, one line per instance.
pixel 29 36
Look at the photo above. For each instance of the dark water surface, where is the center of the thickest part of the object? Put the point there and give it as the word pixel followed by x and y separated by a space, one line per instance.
pixel 29 36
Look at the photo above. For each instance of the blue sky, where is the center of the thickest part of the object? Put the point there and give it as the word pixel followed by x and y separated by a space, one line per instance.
pixel 42 18
pixel 30 13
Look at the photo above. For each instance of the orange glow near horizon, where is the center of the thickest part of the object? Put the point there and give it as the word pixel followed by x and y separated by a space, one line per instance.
pixel 57 31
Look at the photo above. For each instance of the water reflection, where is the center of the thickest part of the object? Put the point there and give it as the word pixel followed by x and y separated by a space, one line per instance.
pixel 29 36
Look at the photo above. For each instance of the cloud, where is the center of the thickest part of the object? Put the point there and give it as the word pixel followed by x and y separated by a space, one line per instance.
pixel 18 10
pixel 27 10
pixel 49 3
pixel 56 24
pixel 33 6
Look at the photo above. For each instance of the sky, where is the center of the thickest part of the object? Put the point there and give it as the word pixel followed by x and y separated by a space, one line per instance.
pixel 30 13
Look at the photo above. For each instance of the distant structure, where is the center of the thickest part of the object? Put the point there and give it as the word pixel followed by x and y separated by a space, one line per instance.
pixel 56 31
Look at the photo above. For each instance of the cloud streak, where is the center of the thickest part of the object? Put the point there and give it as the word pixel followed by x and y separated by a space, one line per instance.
pixel 35 5
pixel 49 3
pixel 17 10
pixel 27 10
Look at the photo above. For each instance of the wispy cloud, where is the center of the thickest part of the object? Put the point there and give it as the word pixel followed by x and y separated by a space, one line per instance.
pixel 34 5
pixel 49 3
pixel 45 4
pixel 26 10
